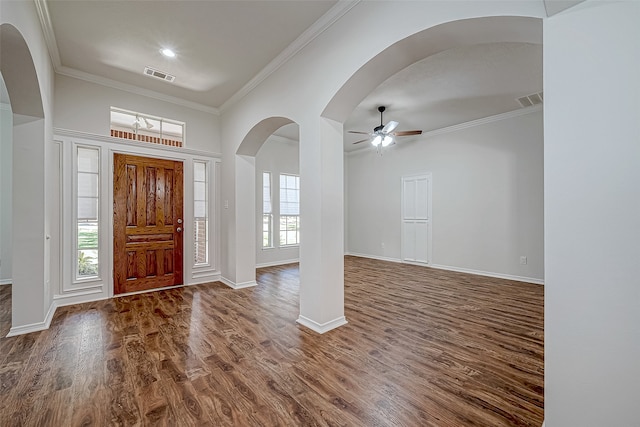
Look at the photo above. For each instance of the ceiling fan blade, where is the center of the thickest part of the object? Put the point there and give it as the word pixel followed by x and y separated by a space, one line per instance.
pixel 362 140
pixel 357 131
pixel 389 127
pixel 407 132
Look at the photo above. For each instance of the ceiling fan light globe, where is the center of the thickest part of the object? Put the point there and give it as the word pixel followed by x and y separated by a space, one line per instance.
pixel 376 141
pixel 386 140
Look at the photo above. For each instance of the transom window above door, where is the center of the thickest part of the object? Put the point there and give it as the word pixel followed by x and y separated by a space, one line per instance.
pixel 143 127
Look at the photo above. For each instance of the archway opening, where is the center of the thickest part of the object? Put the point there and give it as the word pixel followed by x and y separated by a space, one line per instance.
pixel 269 185
pixel 374 185
pixel 23 196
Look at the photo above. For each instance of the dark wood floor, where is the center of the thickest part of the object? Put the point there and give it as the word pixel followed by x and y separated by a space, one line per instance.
pixel 423 347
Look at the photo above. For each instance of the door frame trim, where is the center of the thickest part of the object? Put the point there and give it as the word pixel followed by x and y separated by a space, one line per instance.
pixel 102 288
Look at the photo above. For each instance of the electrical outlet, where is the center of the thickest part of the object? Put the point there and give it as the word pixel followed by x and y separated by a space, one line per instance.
pixel 523 260
pixel 226 204
pixel 382 245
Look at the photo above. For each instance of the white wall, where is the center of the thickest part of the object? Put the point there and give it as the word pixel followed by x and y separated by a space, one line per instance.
pixel 487 196
pixel 6 155
pixel 31 298
pixel 592 212
pixel 277 155
pixel 84 106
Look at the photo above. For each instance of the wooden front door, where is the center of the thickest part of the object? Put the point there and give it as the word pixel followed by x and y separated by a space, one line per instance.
pixel 147 223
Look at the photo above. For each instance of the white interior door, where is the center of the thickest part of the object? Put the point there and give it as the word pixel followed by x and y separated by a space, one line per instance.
pixel 416 219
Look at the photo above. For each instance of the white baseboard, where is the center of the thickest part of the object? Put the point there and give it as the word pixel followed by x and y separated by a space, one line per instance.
pixel 380 258
pixel 234 285
pixel 6 281
pixel 321 328
pixel 489 274
pixel 274 263
pixel 97 294
pixel 456 269
pixel 208 278
pixel 35 327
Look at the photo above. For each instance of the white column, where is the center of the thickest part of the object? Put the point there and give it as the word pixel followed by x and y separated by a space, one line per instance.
pixel 29 304
pixel 238 222
pixel 245 210
pixel 321 226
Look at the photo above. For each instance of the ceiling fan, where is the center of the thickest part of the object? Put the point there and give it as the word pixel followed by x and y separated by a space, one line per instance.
pixel 383 135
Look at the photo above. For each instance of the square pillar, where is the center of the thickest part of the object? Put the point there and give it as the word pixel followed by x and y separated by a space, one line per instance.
pixel 322 226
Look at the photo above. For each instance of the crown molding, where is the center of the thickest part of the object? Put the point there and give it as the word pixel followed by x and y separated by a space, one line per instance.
pixel 315 30
pixel 49 35
pixel 473 123
pixel 103 81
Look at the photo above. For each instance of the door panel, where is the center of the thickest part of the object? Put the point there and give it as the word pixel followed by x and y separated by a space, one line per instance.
pixel 147 221
pixel 416 219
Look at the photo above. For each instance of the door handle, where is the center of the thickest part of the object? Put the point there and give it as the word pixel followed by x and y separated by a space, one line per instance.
pixel 179 220
pixel 179 229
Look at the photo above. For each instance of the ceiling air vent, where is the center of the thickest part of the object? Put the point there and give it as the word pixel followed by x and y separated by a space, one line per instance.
pixel 530 100
pixel 152 72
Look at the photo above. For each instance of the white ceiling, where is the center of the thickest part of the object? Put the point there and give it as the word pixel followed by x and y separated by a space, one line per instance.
pixel 220 45
pixel 223 47
pixel 452 87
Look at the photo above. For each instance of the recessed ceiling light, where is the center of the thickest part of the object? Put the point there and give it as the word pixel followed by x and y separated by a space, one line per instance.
pixel 168 53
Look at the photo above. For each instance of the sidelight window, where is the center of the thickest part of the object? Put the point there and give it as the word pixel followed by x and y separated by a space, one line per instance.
pixel 87 208
pixel 267 212
pixel 201 212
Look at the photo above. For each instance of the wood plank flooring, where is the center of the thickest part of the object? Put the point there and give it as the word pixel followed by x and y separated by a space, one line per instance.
pixel 423 347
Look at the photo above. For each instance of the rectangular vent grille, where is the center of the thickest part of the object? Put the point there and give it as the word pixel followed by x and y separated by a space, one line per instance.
pixel 152 72
pixel 530 100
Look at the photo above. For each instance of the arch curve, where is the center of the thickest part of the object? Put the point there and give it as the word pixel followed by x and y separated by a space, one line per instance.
pixel 19 73
pixel 259 134
pixel 423 44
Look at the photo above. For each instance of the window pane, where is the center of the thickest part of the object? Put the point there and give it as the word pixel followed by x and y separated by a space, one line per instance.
pixel 88 235
pixel 289 230
pixel 87 184
pixel 87 189
pixel 143 127
pixel 200 213
pixel 200 242
pixel 87 208
pixel 199 191
pixel 289 195
pixel 87 263
pixel 88 160
pixel 199 209
pixel 266 192
pixel 172 129
pixel 199 172
pixel 266 231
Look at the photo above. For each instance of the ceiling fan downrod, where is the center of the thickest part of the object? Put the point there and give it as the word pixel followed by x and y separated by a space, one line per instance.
pixel 379 128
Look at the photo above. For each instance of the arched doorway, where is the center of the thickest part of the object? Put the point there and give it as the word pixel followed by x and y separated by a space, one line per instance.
pixel 242 257
pixel 272 148
pixel 29 265
pixel 465 86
